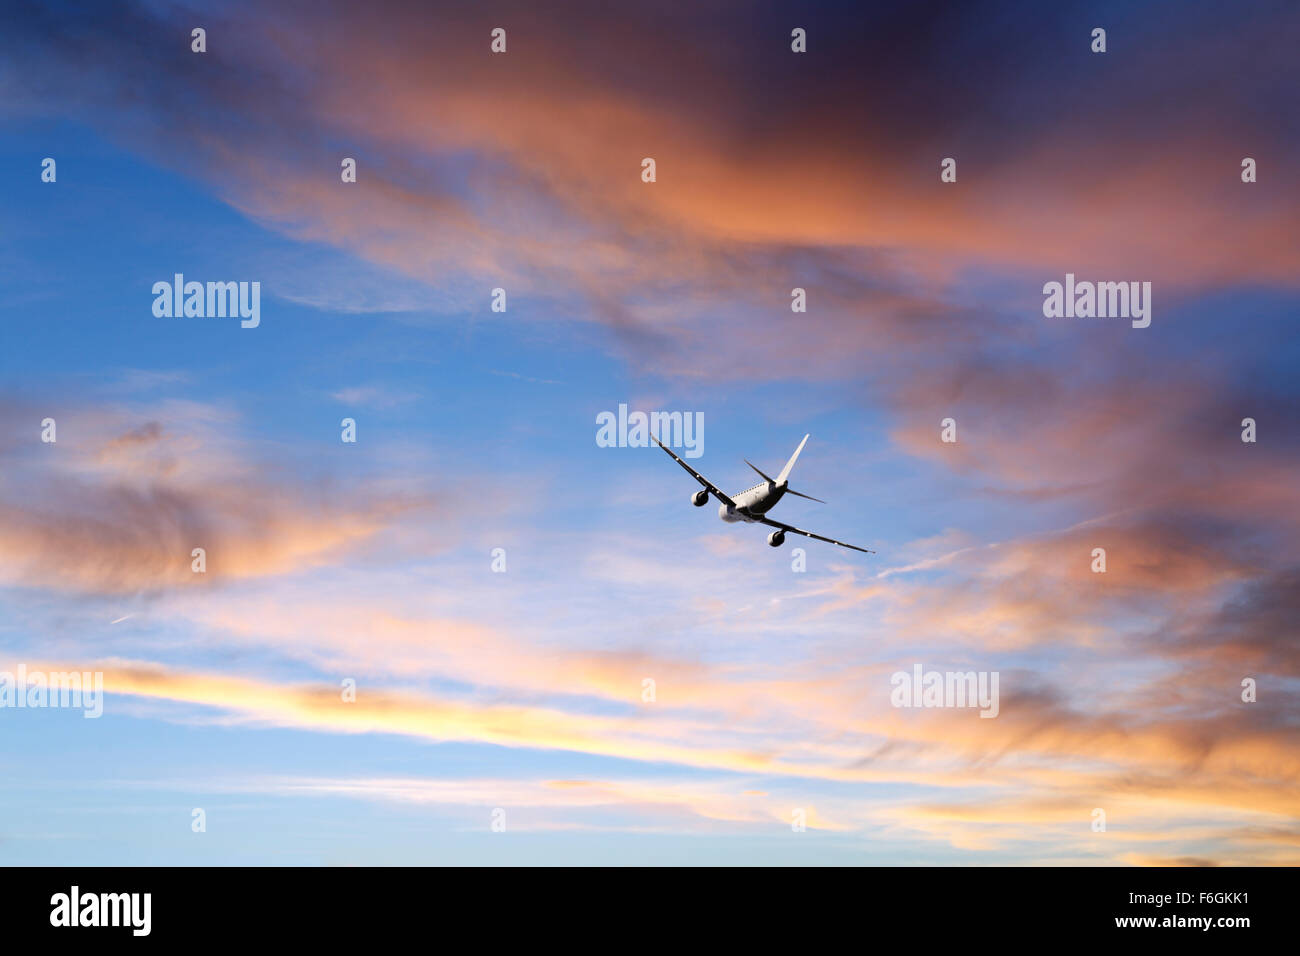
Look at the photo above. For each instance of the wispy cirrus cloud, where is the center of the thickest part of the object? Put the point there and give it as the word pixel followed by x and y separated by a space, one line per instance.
pixel 90 514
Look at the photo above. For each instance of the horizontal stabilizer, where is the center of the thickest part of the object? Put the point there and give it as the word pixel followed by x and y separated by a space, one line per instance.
pixel 791 491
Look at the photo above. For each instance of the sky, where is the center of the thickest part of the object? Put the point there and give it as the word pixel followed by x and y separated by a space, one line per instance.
pixel 497 586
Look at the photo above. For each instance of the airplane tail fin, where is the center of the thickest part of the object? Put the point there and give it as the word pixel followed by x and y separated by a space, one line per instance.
pixel 789 465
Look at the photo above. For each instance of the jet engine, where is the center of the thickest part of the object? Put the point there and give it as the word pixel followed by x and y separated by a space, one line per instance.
pixel 700 498
pixel 776 538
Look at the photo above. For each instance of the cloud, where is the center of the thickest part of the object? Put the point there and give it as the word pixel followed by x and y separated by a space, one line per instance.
pixel 1212 776
pixel 664 804
pixel 373 396
pixel 756 192
pixel 124 514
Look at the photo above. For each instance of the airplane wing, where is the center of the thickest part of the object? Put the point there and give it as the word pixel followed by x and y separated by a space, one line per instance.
pixel 807 534
pixel 713 489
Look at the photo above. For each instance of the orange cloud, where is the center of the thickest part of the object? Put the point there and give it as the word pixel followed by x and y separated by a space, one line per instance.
pixel 124 514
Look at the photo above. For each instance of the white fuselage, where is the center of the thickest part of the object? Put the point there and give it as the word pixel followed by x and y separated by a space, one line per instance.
pixel 758 500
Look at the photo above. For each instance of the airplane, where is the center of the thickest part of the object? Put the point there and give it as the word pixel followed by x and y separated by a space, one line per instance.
pixel 753 504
